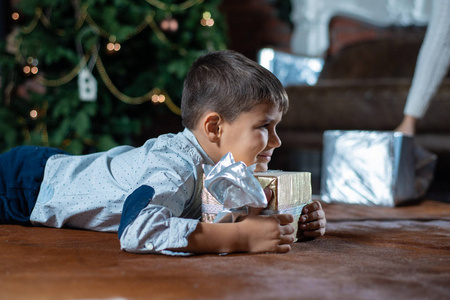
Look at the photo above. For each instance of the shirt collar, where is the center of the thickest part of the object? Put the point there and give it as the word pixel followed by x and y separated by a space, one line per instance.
pixel 191 137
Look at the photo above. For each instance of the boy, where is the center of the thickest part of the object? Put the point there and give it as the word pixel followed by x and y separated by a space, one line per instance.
pixel 151 194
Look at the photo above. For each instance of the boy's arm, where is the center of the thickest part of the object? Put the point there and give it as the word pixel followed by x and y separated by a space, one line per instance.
pixel 312 222
pixel 256 233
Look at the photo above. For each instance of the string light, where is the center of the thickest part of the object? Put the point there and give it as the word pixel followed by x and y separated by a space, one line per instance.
pixel 31 66
pixel 156 95
pixel 133 100
pixel 66 78
pixel 207 20
pixel 174 7
pixel 148 21
pixel 169 25
pixel 111 46
pixel 158 98
pixel 39 16
pixel 34 114
pixel 15 16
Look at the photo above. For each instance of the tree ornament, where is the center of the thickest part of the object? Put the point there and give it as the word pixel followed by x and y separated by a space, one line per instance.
pixel 87 85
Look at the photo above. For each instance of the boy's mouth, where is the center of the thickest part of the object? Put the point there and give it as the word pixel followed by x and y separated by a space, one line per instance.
pixel 265 156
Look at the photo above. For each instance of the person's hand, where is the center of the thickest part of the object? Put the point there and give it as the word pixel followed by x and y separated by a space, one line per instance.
pixel 408 125
pixel 312 221
pixel 264 233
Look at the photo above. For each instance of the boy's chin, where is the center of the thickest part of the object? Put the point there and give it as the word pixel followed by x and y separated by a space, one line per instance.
pixel 261 167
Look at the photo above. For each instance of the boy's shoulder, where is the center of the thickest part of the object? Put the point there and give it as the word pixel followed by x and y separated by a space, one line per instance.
pixel 182 144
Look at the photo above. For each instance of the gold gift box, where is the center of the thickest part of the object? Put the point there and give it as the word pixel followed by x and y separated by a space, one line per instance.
pixel 291 191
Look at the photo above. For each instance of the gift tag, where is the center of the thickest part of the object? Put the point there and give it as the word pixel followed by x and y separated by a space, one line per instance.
pixel 87 85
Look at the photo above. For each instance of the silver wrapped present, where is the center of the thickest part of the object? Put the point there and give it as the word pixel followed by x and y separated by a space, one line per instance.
pixel 230 188
pixel 291 69
pixel 374 168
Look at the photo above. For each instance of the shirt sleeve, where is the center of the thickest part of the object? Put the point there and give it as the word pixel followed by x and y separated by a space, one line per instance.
pixel 433 61
pixel 151 222
pixel 155 230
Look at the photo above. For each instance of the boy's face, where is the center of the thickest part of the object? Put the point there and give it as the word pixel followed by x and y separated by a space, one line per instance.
pixel 252 137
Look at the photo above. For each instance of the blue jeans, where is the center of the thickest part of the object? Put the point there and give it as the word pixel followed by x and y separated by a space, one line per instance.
pixel 21 174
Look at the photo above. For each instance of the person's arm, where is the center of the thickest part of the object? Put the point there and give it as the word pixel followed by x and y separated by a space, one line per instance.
pixel 432 65
pixel 148 226
pixel 256 233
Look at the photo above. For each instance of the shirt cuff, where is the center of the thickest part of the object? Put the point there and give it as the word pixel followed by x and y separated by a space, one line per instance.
pixel 180 230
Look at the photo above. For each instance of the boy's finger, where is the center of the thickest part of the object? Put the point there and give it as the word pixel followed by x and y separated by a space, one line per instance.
pixel 255 211
pixel 284 219
pixel 283 248
pixel 312 207
pixel 316 225
pixel 287 239
pixel 314 233
pixel 287 229
pixel 269 193
pixel 315 215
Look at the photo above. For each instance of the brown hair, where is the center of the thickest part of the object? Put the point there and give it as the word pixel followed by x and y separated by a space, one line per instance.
pixel 228 83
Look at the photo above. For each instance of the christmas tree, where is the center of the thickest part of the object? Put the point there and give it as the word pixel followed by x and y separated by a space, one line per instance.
pixel 87 75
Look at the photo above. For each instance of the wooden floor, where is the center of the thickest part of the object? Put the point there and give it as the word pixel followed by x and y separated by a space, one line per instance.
pixel 367 253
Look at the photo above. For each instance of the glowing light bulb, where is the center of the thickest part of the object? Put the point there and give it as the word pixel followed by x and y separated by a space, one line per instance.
pixel 207 20
pixel 15 16
pixel 165 25
pixel 34 70
pixel 34 114
pixel 27 69
pixel 110 46
pixel 169 25
pixel 158 98
pixel 206 15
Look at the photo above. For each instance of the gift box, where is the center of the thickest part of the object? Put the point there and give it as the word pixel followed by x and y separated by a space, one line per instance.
pixel 374 167
pixel 291 192
pixel 291 69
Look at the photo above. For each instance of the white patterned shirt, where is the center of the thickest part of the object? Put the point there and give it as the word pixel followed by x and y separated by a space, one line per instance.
pixel 161 181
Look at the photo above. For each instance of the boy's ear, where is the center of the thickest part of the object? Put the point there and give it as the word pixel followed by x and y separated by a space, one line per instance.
pixel 211 126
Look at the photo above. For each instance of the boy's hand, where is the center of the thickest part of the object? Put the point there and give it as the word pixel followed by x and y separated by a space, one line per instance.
pixel 261 233
pixel 312 221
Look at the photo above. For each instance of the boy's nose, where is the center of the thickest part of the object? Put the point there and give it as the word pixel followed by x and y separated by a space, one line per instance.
pixel 274 140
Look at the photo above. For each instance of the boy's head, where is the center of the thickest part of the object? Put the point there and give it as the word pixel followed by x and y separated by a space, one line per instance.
pixel 228 83
pixel 232 104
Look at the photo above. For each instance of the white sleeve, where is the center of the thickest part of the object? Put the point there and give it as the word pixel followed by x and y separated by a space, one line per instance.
pixel 433 61
pixel 155 230
pixel 151 222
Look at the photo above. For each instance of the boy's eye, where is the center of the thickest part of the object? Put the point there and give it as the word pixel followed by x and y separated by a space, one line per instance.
pixel 265 126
